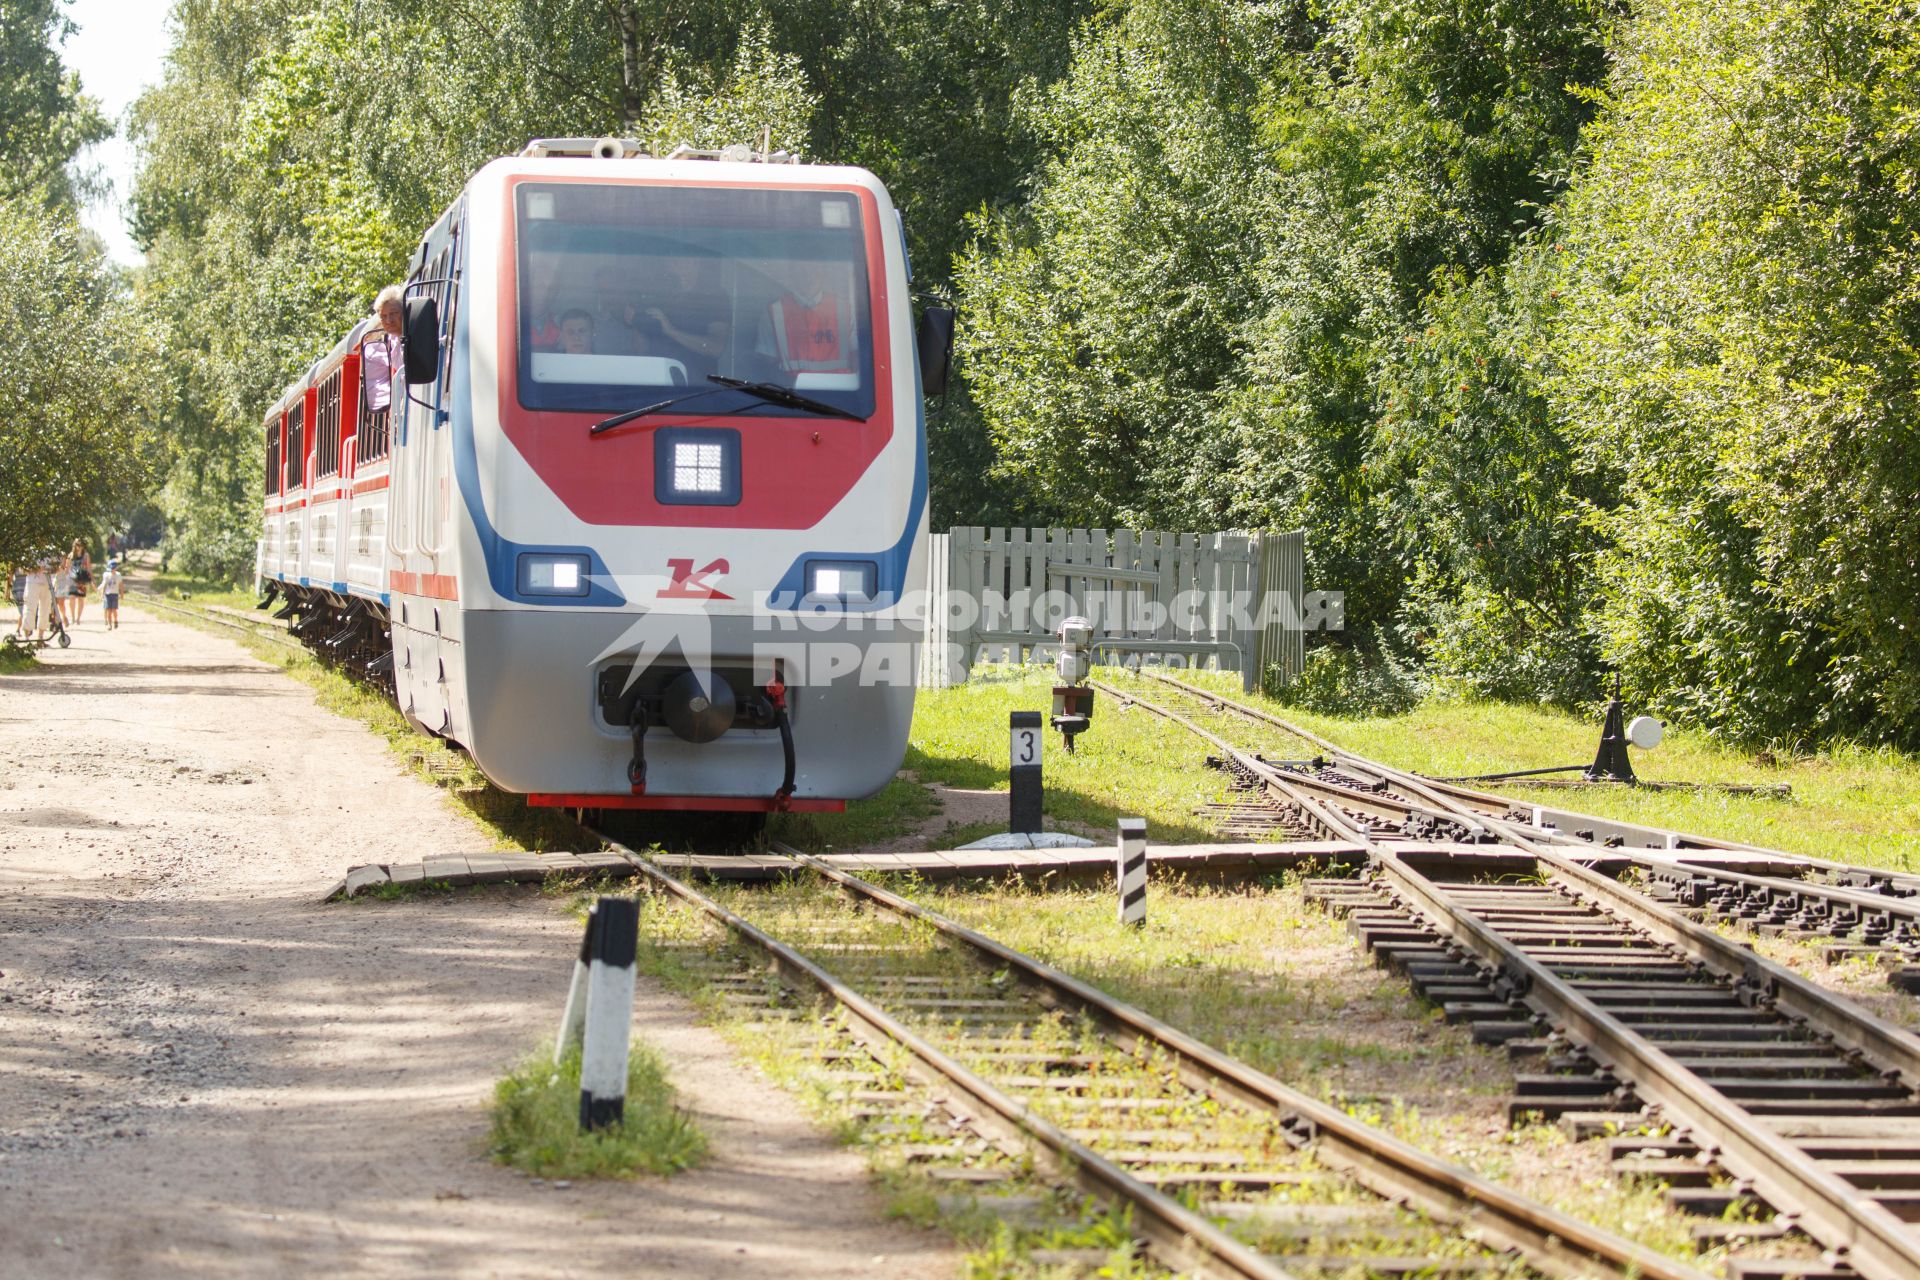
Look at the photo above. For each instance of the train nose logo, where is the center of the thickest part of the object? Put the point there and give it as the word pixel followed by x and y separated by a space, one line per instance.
pixel 688 584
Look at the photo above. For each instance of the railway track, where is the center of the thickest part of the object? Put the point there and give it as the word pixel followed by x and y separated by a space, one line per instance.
pixel 1853 908
pixel 1792 1097
pixel 246 626
pixel 1221 1170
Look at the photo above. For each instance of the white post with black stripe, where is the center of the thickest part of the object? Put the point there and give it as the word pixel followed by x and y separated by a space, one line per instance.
pixel 574 1020
pixel 609 1014
pixel 1132 868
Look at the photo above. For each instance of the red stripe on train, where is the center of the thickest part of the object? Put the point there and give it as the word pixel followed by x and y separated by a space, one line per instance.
pixel 435 586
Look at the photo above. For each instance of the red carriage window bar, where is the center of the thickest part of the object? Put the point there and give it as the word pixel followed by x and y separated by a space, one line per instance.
pixel 326 438
pixel 297 445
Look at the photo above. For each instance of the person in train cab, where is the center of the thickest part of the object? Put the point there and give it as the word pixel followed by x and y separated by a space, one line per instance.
pixel 543 309
pixel 684 317
pixel 616 320
pixel 804 327
pixel 380 349
pixel 576 333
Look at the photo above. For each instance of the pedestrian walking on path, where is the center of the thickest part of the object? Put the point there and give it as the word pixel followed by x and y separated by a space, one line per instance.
pixel 62 586
pixel 81 565
pixel 110 594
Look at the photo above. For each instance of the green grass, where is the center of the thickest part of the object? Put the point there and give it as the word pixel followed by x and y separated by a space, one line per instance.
pixel 536 1122
pixel 1847 803
pixel 1850 804
pixel 14 660
pixel 901 806
pixel 1129 765
pixel 177 586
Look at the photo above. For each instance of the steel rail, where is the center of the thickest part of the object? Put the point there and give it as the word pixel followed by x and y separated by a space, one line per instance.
pixel 269 635
pixel 1551 1240
pixel 1332 823
pixel 1296 787
pixel 1180 1237
pixel 1666 850
pixel 1495 805
pixel 1862 900
pixel 1873 1239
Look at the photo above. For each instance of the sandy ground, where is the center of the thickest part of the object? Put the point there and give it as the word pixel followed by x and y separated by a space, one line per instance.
pixel 204 1072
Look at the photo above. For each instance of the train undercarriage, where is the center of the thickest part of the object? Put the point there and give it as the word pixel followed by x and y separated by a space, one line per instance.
pixel 346 632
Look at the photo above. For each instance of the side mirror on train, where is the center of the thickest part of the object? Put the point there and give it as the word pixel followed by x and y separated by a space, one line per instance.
pixel 934 342
pixel 420 340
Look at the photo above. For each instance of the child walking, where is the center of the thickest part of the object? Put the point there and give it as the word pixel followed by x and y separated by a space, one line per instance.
pixel 110 593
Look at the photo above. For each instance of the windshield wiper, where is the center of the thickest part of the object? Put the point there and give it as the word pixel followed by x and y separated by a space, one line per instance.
pixel 621 419
pixel 774 393
pixel 771 392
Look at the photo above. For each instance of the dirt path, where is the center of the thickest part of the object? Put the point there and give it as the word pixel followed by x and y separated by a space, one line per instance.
pixel 204 1073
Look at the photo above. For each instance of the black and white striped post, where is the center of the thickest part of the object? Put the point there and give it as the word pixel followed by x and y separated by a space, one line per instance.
pixel 1024 803
pixel 609 1013
pixel 574 1020
pixel 1132 869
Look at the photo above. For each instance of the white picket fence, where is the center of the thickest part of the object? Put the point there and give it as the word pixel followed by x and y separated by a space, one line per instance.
pixel 1188 599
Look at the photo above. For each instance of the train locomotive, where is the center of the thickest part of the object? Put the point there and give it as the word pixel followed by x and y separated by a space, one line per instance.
pixel 642 524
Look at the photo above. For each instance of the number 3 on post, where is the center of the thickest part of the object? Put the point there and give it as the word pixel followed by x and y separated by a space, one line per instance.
pixel 1026 747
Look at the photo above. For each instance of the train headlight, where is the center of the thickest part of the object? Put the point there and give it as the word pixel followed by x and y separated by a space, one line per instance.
pixel 696 466
pixel 546 574
pixel 853 581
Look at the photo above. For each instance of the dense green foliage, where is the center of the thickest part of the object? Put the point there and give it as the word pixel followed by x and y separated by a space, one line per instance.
pixel 44 118
pixel 1579 337
pixel 1739 345
pixel 74 432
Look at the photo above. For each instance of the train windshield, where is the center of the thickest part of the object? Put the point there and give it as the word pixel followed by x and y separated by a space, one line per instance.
pixel 632 294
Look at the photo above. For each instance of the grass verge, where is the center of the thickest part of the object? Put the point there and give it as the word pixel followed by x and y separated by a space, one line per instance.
pixel 14 660
pixel 1130 766
pixel 536 1122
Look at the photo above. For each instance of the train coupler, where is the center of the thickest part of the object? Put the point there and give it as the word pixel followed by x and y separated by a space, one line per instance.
pixel 637 767
pixel 776 692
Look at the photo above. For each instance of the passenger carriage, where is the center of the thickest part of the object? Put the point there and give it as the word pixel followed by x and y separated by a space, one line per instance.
pixel 653 495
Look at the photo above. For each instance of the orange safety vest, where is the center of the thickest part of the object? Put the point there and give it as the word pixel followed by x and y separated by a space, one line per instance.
pixel 807 338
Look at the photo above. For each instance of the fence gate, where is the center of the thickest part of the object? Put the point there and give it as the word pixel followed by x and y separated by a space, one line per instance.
pixel 1189 599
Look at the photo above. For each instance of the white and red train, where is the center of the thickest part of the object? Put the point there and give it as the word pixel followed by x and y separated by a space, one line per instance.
pixel 642 526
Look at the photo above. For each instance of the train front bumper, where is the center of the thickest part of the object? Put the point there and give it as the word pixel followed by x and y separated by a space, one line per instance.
pixel 538 724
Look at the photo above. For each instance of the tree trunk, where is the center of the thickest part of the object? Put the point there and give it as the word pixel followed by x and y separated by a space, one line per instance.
pixel 633 77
